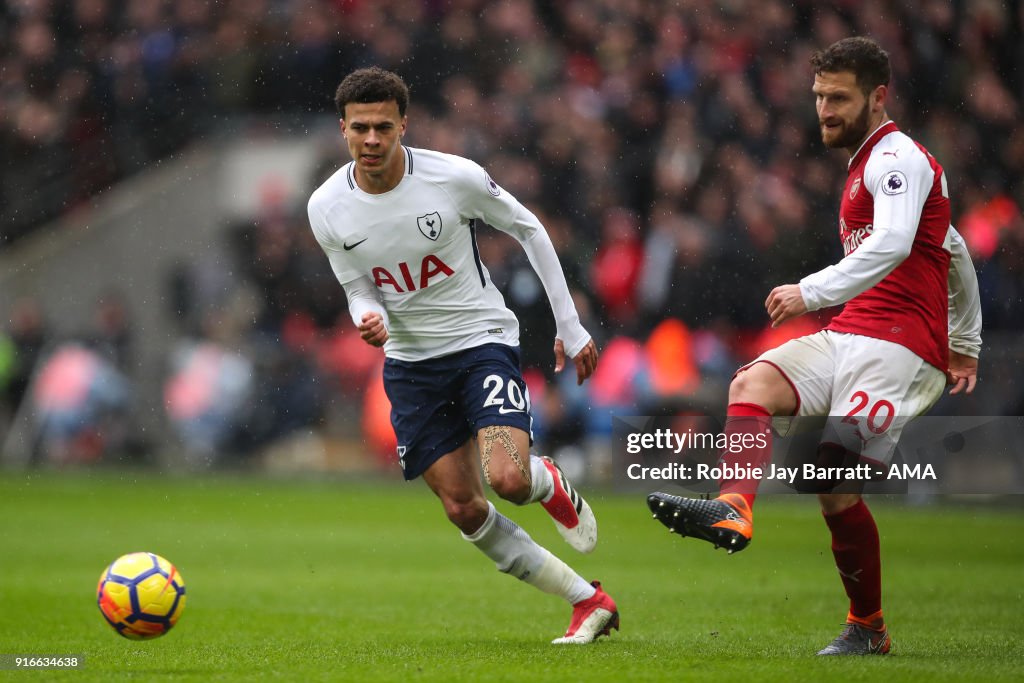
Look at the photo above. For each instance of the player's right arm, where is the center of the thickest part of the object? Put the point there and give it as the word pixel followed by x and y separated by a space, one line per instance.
pixel 364 303
pixel 367 311
pixel 964 316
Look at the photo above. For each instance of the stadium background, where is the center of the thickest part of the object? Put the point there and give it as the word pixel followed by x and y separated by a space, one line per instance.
pixel 164 310
pixel 164 299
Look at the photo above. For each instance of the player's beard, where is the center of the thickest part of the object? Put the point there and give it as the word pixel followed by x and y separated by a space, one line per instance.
pixel 852 134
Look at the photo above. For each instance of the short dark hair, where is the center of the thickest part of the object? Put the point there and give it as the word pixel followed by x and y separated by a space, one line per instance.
pixel 862 56
pixel 372 84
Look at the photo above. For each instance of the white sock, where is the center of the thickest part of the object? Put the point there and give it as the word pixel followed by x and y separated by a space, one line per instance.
pixel 558 578
pixel 542 486
pixel 515 553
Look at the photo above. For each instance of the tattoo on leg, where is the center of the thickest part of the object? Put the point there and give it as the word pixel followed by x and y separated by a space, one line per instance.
pixel 503 435
pixel 485 455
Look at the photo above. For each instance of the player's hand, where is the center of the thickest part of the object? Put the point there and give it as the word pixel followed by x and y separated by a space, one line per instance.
pixel 372 329
pixel 962 373
pixel 785 302
pixel 585 361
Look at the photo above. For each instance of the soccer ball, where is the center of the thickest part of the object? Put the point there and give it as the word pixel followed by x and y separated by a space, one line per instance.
pixel 141 595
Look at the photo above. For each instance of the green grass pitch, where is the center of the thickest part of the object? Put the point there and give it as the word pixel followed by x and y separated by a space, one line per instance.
pixel 366 581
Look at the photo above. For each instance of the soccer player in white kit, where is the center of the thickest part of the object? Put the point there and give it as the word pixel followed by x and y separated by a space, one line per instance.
pixel 399 228
pixel 911 323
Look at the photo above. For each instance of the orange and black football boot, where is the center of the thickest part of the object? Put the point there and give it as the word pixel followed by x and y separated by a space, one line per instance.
pixel 725 522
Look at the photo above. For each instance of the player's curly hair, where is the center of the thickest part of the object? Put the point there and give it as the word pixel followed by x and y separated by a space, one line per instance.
pixel 372 84
pixel 859 55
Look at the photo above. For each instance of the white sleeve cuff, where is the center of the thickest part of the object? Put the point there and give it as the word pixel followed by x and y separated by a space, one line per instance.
pixel 362 299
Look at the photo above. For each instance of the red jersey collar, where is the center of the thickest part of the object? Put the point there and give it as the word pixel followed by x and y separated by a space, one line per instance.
pixel 868 144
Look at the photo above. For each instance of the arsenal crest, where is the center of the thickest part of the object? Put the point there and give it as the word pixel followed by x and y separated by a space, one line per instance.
pixel 430 225
pixel 855 187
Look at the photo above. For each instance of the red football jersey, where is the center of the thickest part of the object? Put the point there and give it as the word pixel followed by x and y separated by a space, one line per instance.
pixel 896 192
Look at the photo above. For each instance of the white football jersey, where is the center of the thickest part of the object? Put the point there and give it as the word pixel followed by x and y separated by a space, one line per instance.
pixel 417 245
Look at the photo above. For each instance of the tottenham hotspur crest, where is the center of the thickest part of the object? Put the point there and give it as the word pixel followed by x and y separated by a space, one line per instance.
pixel 430 225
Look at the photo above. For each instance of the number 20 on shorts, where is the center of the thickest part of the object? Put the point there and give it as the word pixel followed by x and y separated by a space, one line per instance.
pixel 519 400
pixel 879 417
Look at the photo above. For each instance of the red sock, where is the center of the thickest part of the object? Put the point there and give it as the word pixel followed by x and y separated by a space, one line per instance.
pixel 754 422
pixel 859 560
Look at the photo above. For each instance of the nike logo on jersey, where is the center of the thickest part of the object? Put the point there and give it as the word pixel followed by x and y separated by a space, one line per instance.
pixel 505 411
pixel 350 247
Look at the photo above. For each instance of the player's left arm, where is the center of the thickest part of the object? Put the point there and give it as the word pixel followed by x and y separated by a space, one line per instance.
pixel 500 209
pixel 899 196
pixel 964 316
pixel 571 338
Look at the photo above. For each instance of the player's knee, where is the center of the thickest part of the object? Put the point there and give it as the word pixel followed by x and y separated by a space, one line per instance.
pixel 746 386
pixel 505 456
pixel 510 485
pixel 763 385
pixel 467 514
pixel 834 503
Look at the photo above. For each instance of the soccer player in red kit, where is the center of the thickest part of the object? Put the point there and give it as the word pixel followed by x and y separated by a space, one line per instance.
pixel 911 324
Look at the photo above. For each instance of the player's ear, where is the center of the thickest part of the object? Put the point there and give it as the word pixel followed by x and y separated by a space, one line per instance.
pixel 878 98
pixel 401 130
pixel 341 126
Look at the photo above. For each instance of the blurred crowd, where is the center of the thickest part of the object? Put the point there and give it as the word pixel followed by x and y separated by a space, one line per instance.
pixel 671 149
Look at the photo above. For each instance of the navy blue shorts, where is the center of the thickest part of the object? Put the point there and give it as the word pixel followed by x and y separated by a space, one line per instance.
pixel 438 404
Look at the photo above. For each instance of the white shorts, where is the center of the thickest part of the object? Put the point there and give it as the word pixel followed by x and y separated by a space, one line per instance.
pixel 875 386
